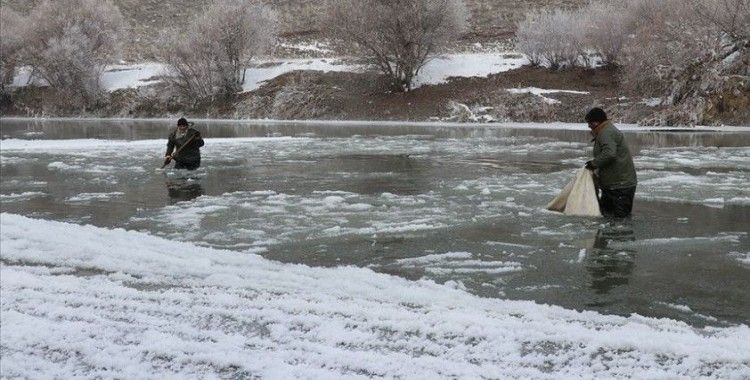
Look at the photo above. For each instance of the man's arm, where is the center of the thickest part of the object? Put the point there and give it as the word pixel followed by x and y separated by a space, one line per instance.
pixel 198 140
pixel 170 146
pixel 608 153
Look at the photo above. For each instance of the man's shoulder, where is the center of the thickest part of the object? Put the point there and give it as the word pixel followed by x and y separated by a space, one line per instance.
pixel 611 130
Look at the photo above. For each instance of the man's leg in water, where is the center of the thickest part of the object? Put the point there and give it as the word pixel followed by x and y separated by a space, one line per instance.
pixel 617 202
pixel 187 165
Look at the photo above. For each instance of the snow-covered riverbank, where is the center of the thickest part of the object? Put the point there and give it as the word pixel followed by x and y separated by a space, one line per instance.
pixel 86 301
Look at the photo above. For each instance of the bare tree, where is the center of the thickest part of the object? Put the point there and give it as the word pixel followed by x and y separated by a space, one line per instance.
pixel 550 38
pixel 191 62
pixel 530 38
pixel 698 65
pixel 608 27
pixel 397 36
pixel 11 43
pixel 71 42
pixel 731 17
pixel 210 56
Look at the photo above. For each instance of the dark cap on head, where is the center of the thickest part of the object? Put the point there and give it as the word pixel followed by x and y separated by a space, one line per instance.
pixel 182 121
pixel 596 115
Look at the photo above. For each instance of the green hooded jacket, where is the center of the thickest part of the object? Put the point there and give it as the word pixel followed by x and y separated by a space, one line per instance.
pixel 612 159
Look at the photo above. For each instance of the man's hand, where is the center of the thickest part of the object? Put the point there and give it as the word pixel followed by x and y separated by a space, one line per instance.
pixel 590 165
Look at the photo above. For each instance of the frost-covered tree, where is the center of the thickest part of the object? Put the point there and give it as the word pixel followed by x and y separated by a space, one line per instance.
pixel 209 56
pixel 551 38
pixel 731 17
pixel 608 26
pixel 69 43
pixel 397 36
pixel 560 38
pixel 11 43
pixel 695 55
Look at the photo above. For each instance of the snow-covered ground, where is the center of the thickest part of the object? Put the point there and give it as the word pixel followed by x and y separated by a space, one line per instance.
pixel 256 76
pixel 541 91
pixel 115 77
pixel 468 65
pixel 436 71
pixel 82 301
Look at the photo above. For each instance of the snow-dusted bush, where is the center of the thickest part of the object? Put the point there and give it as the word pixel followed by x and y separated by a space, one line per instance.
pixel 695 56
pixel 559 38
pixel 209 56
pixel 69 43
pixel 731 17
pixel 607 27
pixel 11 43
pixel 397 36
pixel 551 38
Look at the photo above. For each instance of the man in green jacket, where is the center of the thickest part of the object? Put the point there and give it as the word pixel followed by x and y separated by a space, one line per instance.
pixel 183 146
pixel 613 166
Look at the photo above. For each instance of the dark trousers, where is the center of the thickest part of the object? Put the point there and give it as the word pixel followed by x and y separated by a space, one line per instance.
pixel 187 165
pixel 617 202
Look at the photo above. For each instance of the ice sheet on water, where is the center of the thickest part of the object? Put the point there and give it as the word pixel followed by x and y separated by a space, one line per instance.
pixel 88 197
pixel 695 158
pixel 127 304
pixel 743 258
pixel 722 238
pixel 6 160
pixel 458 262
pixel 21 196
pixel 290 217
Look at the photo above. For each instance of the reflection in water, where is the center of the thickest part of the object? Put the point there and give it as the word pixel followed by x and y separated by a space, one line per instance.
pixel 379 173
pixel 183 190
pixel 610 268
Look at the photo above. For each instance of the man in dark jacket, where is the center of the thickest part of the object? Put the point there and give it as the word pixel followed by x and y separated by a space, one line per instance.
pixel 184 145
pixel 613 165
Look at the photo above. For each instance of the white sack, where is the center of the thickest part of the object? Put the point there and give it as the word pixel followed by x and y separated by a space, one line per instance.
pixel 578 197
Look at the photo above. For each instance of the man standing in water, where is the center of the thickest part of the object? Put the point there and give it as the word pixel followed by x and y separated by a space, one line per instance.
pixel 187 142
pixel 613 166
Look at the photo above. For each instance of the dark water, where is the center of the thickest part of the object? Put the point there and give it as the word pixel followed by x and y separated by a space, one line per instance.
pixel 461 204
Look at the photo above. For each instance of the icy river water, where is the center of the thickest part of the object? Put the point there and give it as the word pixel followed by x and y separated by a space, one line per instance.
pixel 463 204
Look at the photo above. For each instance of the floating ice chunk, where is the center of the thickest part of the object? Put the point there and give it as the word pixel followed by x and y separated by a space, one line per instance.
pixel 21 196
pixel 682 308
pixel 88 197
pixel 457 263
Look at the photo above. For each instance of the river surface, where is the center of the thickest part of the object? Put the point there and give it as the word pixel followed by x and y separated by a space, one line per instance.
pixel 458 204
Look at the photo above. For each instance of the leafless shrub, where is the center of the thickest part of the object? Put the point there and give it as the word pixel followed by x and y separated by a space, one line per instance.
pixel 607 26
pixel 209 57
pixel 397 36
pixel 70 44
pixel 11 43
pixel 731 17
pixel 698 65
pixel 550 38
